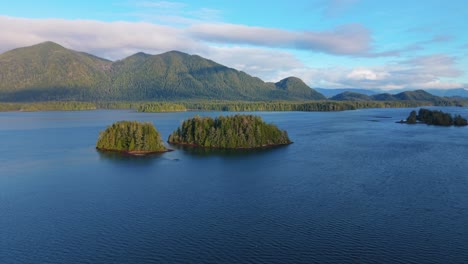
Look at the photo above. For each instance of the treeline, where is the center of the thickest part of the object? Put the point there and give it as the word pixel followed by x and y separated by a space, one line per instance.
pixel 130 136
pixel 435 117
pixel 324 106
pixel 48 106
pixel 230 106
pixel 161 107
pixel 230 132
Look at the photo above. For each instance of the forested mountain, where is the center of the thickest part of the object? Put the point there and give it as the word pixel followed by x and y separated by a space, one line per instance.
pixel 330 92
pixel 297 89
pixel 418 95
pixel 351 96
pixel 48 71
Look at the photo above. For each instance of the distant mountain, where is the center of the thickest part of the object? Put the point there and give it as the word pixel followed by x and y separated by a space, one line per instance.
pixel 351 96
pixel 418 95
pixel 460 92
pixel 332 92
pixel 48 71
pixel 297 89
pixel 407 96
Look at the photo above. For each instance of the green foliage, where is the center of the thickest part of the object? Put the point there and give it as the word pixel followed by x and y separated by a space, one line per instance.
pixel 238 131
pixel 48 106
pixel 161 107
pixel 297 89
pixel 48 71
pixel 412 118
pixel 458 120
pixel 421 96
pixel 131 136
pixel 351 96
pixel 296 106
pixel 437 118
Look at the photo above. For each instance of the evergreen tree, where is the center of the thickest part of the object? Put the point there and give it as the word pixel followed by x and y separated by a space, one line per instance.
pixel 130 136
pixel 238 131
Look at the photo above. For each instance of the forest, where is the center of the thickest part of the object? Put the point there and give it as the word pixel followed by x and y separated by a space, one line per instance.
pixel 228 132
pixel 131 137
pixel 435 117
pixel 229 106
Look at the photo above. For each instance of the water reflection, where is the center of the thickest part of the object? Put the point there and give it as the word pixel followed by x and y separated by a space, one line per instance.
pixel 123 158
pixel 207 152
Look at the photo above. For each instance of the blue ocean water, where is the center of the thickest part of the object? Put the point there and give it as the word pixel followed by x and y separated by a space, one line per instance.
pixel 355 187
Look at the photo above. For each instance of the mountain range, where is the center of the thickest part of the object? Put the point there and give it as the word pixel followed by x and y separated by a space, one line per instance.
pixel 418 95
pixel 48 71
pixel 457 92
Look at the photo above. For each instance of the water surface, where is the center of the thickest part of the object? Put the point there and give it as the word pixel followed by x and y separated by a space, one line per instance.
pixel 355 187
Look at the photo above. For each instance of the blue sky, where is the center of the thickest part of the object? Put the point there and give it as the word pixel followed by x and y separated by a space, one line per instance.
pixel 327 43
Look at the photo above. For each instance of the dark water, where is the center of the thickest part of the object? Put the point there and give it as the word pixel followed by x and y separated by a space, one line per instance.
pixel 355 187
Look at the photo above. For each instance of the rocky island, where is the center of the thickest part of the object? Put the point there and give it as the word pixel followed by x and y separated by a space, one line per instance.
pixel 435 117
pixel 229 132
pixel 131 137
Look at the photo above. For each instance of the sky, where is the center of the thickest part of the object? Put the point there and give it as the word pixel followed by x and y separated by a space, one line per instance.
pixel 328 43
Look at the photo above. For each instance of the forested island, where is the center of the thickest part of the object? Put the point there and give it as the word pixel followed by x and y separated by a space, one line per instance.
pixel 131 137
pixel 435 117
pixel 229 132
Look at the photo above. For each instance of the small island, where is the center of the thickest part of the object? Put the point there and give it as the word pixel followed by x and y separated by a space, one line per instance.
pixel 229 132
pixel 437 118
pixel 131 137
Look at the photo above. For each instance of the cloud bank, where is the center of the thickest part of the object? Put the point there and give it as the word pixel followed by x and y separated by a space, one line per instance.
pixel 259 51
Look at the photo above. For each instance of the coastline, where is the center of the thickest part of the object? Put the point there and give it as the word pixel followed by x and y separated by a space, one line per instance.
pixel 134 153
pixel 238 148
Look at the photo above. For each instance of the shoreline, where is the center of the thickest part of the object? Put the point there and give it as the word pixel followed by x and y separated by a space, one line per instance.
pixel 134 153
pixel 238 148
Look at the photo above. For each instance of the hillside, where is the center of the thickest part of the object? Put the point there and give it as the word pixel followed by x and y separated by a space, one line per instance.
pixel 329 92
pixel 295 88
pixel 48 71
pixel 418 95
pixel 351 96
pixel 407 96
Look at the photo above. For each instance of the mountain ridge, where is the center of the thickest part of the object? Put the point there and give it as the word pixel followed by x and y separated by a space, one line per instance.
pixel 49 71
pixel 453 92
pixel 416 95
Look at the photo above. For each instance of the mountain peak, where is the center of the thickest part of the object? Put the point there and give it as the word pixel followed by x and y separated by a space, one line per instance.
pixel 296 87
pixel 48 71
pixel 175 52
pixel 47 45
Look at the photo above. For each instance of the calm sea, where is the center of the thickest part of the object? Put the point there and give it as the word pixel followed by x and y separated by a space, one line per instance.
pixel 355 187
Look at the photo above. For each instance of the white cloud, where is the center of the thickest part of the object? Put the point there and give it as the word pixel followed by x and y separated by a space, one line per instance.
pixel 113 40
pixel 366 74
pixel 108 38
pixel 265 63
pixel 351 39
pixel 263 58
pixel 419 72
